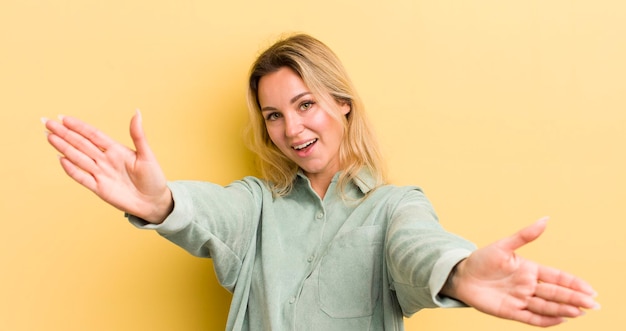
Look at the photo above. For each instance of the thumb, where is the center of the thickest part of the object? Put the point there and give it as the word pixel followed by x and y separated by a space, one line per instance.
pixel 524 236
pixel 138 135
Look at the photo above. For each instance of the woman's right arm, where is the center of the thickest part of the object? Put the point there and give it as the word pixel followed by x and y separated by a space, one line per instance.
pixel 130 180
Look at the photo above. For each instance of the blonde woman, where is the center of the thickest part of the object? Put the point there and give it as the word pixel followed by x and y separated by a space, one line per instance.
pixel 321 241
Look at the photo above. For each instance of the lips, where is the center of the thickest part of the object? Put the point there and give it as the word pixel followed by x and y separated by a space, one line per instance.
pixel 304 145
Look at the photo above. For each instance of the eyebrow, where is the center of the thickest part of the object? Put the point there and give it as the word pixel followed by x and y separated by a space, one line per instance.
pixel 292 101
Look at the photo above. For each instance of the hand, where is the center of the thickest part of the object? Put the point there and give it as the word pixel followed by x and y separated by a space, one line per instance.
pixel 496 281
pixel 129 180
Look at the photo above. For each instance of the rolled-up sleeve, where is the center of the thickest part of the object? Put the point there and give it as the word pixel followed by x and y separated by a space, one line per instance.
pixel 421 254
pixel 213 221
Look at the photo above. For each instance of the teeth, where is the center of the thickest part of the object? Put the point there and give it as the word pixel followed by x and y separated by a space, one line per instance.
pixel 304 145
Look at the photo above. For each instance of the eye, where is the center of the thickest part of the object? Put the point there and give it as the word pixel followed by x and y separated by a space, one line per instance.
pixel 306 105
pixel 272 116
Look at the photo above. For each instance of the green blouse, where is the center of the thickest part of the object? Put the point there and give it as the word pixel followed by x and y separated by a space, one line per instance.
pixel 357 261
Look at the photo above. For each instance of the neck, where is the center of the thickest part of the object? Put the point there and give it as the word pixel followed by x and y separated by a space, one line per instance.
pixel 320 183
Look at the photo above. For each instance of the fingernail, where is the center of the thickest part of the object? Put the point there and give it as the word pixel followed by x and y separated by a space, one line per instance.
pixel 44 120
pixel 597 306
pixel 61 117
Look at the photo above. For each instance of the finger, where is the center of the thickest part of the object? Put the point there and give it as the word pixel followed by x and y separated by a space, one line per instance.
pixel 561 278
pixel 138 136
pixel 543 307
pixel 75 156
pixel 95 136
pixel 564 297
pixel 559 286
pixel 74 139
pixel 529 317
pixel 77 174
pixel 524 236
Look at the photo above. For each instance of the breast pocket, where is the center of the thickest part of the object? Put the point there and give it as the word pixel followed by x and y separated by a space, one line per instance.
pixel 350 273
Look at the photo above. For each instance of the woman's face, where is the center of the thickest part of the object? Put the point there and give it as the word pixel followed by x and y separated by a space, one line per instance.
pixel 298 125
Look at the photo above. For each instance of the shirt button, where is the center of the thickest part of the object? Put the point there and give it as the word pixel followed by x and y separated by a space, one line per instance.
pixel 320 215
pixel 310 259
pixel 292 300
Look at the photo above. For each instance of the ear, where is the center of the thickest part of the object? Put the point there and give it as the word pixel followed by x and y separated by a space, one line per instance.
pixel 345 107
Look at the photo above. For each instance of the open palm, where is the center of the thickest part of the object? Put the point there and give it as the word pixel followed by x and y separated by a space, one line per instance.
pixel 130 180
pixel 497 281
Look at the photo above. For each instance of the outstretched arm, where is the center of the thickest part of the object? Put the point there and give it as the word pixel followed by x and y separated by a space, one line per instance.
pixel 496 281
pixel 130 180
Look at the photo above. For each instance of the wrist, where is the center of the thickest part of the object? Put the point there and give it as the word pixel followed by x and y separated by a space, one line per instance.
pixel 450 287
pixel 162 208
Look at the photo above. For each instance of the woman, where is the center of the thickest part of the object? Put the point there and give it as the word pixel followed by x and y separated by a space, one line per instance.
pixel 321 242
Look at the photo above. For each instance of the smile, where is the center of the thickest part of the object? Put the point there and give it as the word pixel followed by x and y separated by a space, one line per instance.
pixel 305 145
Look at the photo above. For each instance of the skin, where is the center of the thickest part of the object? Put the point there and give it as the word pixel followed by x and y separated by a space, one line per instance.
pixel 130 180
pixel 294 118
pixel 496 281
pixel 493 279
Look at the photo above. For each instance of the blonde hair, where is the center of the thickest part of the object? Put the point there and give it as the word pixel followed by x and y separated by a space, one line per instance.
pixel 322 72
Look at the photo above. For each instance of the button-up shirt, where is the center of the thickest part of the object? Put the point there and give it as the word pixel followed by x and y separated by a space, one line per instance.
pixel 357 260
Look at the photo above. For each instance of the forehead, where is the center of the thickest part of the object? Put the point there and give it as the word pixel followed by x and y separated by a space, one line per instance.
pixel 279 86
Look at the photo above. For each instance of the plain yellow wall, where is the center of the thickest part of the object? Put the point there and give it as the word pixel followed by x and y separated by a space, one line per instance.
pixel 503 111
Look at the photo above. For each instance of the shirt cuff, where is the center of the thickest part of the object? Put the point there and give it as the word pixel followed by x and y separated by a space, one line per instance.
pixel 440 274
pixel 177 220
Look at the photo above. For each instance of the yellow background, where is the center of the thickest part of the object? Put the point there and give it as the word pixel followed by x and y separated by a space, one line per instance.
pixel 503 111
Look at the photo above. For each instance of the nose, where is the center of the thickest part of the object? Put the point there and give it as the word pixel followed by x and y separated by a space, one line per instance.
pixel 293 126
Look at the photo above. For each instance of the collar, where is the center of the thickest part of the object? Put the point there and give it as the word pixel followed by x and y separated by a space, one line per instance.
pixel 364 180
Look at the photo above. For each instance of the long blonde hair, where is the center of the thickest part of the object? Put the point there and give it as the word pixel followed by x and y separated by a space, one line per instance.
pixel 322 72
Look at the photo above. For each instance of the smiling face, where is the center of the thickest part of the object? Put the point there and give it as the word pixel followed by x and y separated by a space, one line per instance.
pixel 300 126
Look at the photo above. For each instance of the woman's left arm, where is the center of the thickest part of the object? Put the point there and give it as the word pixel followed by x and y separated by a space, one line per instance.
pixel 496 281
